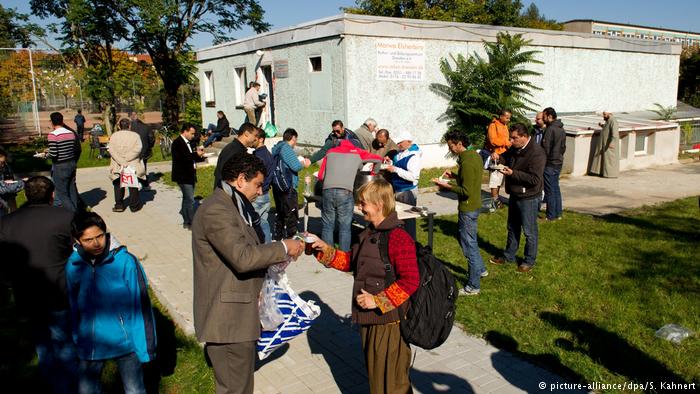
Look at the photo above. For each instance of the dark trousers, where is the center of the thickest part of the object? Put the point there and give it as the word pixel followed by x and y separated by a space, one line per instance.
pixel 287 213
pixel 187 207
pixel 552 194
pixel 234 364
pixel 66 192
pixel 144 181
pixel 134 198
pixel 522 218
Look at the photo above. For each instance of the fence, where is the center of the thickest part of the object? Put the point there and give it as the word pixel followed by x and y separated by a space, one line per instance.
pixel 690 133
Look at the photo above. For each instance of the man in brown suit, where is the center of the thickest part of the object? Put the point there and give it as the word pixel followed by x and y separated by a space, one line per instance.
pixel 230 260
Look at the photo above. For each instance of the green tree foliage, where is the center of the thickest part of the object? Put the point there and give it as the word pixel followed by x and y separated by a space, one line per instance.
pixel 15 29
pixel 689 78
pixel 164 28
pixel 477 88
pixel 487 12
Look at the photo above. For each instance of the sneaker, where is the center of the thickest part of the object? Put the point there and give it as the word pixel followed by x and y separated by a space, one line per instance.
pixel 118 208
pixel 484 274
pixel 524 267
pixel 498 204
pixel 469 291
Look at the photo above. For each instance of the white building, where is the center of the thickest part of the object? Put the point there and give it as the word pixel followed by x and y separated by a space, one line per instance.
pixel 351 67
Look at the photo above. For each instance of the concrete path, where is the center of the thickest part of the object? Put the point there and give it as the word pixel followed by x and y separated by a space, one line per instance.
pixel 327 359
pixel 601 196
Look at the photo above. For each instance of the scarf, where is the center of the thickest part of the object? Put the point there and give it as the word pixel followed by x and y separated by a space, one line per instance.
pixel 245 209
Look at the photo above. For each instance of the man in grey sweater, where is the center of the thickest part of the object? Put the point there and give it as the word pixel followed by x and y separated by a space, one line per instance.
pixel 338 171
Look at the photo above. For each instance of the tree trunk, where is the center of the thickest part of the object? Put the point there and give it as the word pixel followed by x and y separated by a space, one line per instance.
pixel 171 105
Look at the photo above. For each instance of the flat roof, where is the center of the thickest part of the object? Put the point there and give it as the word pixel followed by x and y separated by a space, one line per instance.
pixel 378 26
pixel 631 25
pixel 588 123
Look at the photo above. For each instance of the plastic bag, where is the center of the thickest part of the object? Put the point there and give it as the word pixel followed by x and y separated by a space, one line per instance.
pixel 128 177
pixel 270 130
pixel 270 315
pixel 673 333
pixel 298 317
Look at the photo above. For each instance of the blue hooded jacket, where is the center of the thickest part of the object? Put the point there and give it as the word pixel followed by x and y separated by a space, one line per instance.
pixel 110 309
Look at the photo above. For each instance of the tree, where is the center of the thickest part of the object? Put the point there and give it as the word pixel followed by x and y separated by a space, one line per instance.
pixel 689 78
pixel 488 12
pixel 478 88
pixel 532 18
pixel 89 32
pixel 163 29
pixel 15 29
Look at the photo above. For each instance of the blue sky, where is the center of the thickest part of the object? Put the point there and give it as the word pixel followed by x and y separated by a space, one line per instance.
pixel 673 14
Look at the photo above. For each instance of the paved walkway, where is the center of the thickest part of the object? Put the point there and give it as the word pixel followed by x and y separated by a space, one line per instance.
pixel 328 358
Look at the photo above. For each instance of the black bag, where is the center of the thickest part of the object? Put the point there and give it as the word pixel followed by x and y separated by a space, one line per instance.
pixel 281 174
pixel 431 312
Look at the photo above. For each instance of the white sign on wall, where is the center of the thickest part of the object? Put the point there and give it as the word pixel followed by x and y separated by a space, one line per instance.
pixel 400 60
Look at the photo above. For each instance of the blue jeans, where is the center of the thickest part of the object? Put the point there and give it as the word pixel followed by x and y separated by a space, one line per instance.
pixel 187 209
pixel 66 193
pixel 337 208
pixel 552 194
pixel 262 207
pixel 58 357
pixel 409 197
pixel 522 217
pixel 210 140
pixel 467 224
pixel 129 369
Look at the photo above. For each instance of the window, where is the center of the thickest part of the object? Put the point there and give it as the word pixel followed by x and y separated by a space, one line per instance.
pixel 640 144
pixel 239 84
pixel 209 99
pixel 315 64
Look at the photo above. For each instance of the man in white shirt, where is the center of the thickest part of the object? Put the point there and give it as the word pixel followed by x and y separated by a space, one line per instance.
pixel 405 172
pixel 251 103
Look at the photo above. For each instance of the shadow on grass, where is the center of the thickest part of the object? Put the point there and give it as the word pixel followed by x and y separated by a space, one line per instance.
pixel 609 350
pixel 445 226
pixel 525 376
pixel 676 227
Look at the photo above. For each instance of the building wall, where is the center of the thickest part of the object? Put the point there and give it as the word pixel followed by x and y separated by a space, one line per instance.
pixel 304 100
pixel 573 80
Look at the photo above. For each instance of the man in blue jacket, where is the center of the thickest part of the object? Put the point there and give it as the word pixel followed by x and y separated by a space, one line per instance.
pixel 110 309
pixel 286 201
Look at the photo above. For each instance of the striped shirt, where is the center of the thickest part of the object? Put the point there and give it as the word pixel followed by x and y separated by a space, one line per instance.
pixel 61 145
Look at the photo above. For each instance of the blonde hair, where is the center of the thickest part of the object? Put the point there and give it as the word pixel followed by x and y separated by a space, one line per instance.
pixel 379 192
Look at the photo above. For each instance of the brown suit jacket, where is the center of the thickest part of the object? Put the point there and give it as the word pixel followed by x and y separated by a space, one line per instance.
pixel 229 268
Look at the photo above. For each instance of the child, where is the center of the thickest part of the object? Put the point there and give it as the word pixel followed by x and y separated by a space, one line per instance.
pixel 110 309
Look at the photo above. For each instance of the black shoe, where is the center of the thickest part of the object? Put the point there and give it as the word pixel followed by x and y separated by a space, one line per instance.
pixel 187 226
pixel 138 208
pixel 118 208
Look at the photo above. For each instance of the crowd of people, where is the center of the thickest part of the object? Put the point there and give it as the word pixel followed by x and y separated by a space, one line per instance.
pixel 88 279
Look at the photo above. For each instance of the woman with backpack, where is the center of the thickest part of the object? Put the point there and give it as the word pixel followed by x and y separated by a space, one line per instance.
pixel 380 292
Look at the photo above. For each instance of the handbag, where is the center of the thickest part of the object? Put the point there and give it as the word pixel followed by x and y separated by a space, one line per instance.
pixel 128 177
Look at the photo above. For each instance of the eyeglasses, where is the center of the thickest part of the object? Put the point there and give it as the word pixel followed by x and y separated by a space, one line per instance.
pixel 96 239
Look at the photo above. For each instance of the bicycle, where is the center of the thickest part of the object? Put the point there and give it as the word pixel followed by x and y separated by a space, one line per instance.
pixel 165 142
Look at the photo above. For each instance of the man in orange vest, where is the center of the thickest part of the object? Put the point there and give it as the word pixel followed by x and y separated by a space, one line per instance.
pixel 497 142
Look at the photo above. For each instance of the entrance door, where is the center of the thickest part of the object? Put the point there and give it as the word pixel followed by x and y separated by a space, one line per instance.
pixel 268 87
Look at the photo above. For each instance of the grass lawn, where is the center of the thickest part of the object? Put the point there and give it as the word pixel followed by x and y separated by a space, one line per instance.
pixel 601 287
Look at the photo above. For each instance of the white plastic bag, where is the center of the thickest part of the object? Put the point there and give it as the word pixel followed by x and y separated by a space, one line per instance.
pixel 128 177
pixel 270 315
pixel 298 317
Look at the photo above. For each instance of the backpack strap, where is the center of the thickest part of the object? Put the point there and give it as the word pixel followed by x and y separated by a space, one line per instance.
pixel 390 276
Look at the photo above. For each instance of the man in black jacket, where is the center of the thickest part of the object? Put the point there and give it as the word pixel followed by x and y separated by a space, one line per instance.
pixel 554 144
pixel 36 242
pixel 184 171
pixel 148 139
pixel 246 138
pixel 524 184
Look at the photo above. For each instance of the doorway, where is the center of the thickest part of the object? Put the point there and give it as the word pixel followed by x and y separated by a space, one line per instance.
pixel 268 88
